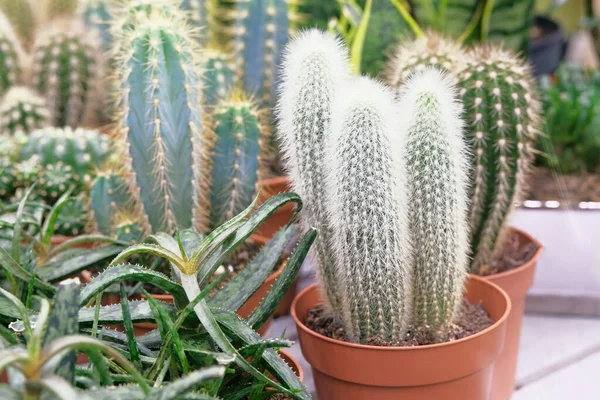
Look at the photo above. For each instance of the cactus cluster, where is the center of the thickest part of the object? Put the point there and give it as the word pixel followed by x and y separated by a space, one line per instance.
pixel 259 32
pixel 83 150
pixel 72 218
pixel 28 172
pixel 11 56
pixel 67 71
pixel 502 119
pixel 55 180
pixel 22 111
pixel 384 184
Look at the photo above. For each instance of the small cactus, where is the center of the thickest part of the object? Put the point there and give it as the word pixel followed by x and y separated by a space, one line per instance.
pixel 82 149
pixel 20 15
pixel 235 158
pixel 162 132
pixel 11 56
pixel 108 195
pixel 72 219
pixel 22 112
pixel 218 77
pixel 97 15
pixel 315 67
pixel 437 163
pixel 126 228
pixel 431 50
pixel 259 32
pixel 502 120
pixel 67 71
pixel 8 179
pixel 55 180
pixel 27 172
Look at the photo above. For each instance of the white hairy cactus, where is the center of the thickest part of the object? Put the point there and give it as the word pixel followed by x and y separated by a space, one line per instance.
pixel 437 164
pixel 315 67
pixel 368 211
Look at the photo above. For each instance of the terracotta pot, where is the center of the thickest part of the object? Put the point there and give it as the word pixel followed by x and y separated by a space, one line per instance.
pixel 286 303
pixel 461 369
pixel 516 283
pixel 269 188
pixel 293 363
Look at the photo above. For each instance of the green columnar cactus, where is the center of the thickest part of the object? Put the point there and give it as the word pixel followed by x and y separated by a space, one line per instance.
pixel 235 159
pixel 82 149
pixel 260 30
pixel 218 77
pixel 11 56
pixel 502 120
pixel 8 179
pixel 202 15
pixel 108 197
pixel 366 201
pixel 97 15
pixel 67 71
pixel 55 180
pixel 314 69
pixel 432 50
pixel 437 163
pixel 22 111
pixel 162 131
pixel 20 15
pixel 72 218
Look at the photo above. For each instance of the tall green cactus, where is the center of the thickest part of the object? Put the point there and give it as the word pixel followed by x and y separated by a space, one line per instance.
pixel 202 16
pixel 98 16
pixel 366 201
pixel 11 56
pixel 20 15
pixel 259 33
pixel 22 112
pixel 218 77
pixel 67 71
pixel 315 68
pixel 431 50
pixel 437 166
pixel 82 149
pixel 235 158
pixel 502 121
pixel 162 131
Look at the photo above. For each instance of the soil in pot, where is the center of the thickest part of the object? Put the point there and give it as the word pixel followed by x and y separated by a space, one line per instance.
pixel 472 318
pixel 514 253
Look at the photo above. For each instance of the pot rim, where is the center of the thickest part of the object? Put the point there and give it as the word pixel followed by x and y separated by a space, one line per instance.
pixel 531 262
pixel 276 180
pixel 293 360
pixel 490 328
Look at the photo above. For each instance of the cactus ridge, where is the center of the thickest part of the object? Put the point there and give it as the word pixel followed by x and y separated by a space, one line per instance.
pixel 218 78
pixel 109 198
pixel 235 157
pixel 22 112
pixel 67 71
pixel 366 203
pixel 502 115
pixel 315 66
pixel 11 56
pixel 432 50
pixel 437 163
pixel 162 132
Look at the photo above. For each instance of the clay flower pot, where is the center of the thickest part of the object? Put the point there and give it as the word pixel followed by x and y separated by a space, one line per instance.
pixel 268 189
pixel 293 363
pixel 516 283
pixel 462 369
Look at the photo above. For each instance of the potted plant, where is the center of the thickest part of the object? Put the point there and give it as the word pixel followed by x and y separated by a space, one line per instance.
pixel 384 184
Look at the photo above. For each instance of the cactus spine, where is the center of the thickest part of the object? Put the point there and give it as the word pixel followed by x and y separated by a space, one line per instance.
pixel 218 78
pixel 314 68
pixel 366 202
pixel 502 120
pixel 67 71
pixel 235 155
pixel 20 15
pixel 11 56
pixel 162 132
pixel 437 164
pixel 260 31
pixel 431 50
pixel 22 111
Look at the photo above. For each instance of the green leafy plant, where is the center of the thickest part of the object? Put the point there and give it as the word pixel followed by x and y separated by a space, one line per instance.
pixel 571 144
pixel 373 185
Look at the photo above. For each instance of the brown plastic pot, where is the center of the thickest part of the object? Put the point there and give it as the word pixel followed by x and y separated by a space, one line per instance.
pixel 269 188
pixel 293 364
pixel 461 369
pixel 516 283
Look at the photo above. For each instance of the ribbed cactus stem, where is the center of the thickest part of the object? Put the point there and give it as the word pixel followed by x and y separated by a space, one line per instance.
pixel 22 111
pixel 20 15
pixel 162 132
pixel 108 194
pixel 67 71
pixel 437 163
pixel 218 77
pixel 502 120
pixel 202 15
pixel 431 50
pixel 11 56
pixel 367 206
pixel 315 67
pixel 260 32
pixel 235 155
